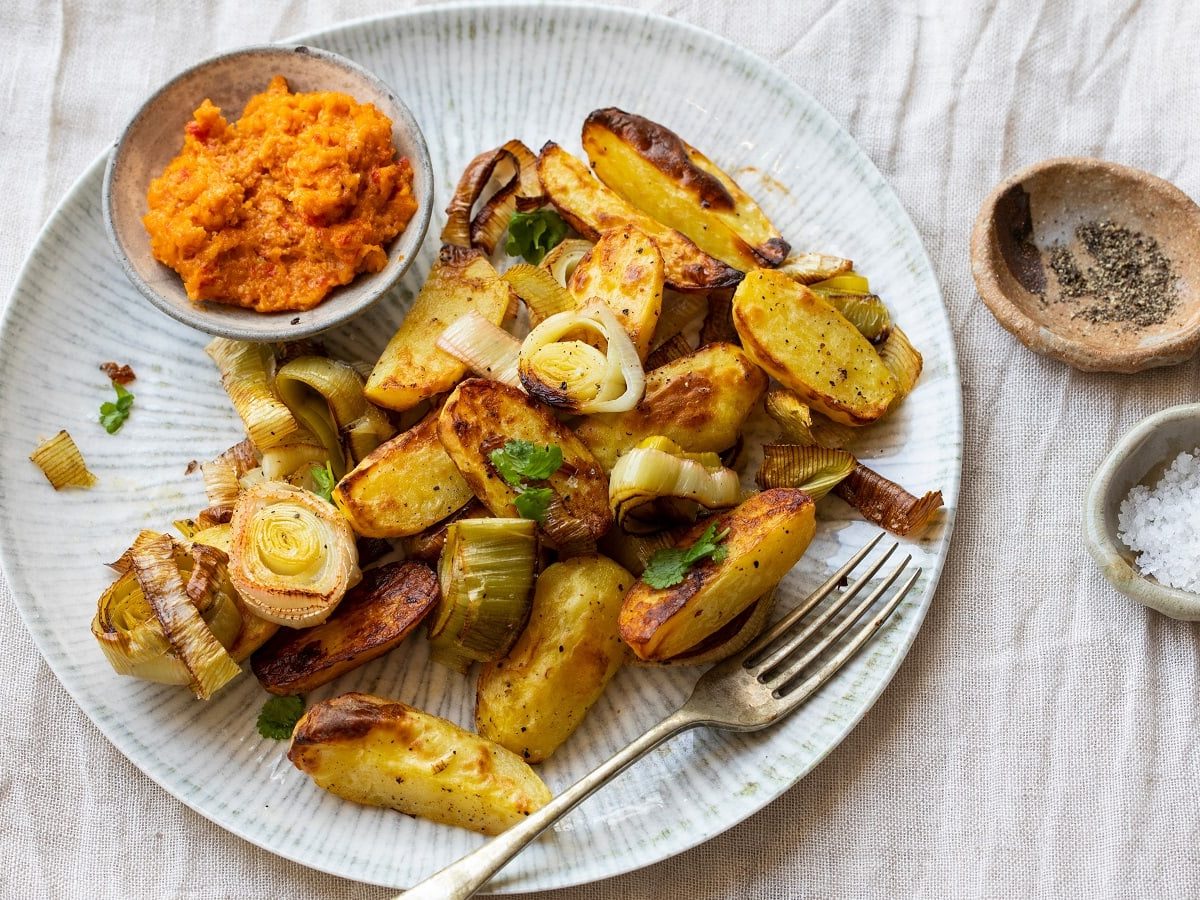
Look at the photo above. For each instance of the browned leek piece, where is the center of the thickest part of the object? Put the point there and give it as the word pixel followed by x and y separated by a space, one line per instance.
pixel 62 463
pixel 886 503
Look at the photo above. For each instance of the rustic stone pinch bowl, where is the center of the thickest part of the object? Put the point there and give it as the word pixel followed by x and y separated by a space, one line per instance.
pixel 155 135
pixel 1039 208
pixel 1139 457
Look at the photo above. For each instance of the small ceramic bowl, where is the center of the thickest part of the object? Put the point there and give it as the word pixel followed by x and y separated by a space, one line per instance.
pixel 154 136
pixel 1140 456
pixel 1039 208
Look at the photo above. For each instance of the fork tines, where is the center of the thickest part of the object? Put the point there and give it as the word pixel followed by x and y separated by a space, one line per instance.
pixel 770 657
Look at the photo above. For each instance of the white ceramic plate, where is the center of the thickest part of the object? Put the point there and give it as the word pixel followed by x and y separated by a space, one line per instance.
pixel 474 77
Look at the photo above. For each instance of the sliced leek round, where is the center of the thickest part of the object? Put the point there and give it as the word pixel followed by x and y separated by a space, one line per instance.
pixel 486 576
pixel 292 554
pixel 659 470
pixel 561 366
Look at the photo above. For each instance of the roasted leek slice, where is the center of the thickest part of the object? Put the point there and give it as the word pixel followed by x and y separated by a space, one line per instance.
pixel 903 360
pixel 562 260
pixel 247 374
pixel 130 634
pixel 814 470
pixel 489 350
pixel 562 369
pixel 176 607
pixel 814 268
pixel 659 469
pixel 62 463
pixel 800 425
pixel 542 295
pixel 292 554
pixel 486 575
pixel 886 503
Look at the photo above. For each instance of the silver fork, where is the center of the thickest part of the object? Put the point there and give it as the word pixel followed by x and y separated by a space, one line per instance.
pixel 748 691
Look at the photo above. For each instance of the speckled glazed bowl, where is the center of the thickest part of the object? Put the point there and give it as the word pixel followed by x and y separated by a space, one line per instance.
pixel 1040 207
pixel 154 136
pixel 1138 457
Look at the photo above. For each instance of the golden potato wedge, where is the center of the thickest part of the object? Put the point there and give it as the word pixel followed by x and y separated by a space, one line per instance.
pixel 810 347
pixel 767 534
pixel 591 208
pixel 403 486
pixel 384 753
pixel 482 416
pixel 665 177
pixel 412 368
pixel 699 401
pixel 535 697
pixel 733 637
pixel 625 271
pixel 375 616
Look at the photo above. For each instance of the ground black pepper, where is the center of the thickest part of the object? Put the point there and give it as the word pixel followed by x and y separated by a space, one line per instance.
pixel 1130 279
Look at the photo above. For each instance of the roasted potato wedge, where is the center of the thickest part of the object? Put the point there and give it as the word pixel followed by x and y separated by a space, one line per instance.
pixel 403 486
pixel 535 697
pixel 375 616
pixel 482 416
pixel 383 753
pixel 653 168
pixel 625 271
pixel 591 208
pixel 699 401
pixel 734 637
pixel 412 367
pixel 810 347
pixel 767 534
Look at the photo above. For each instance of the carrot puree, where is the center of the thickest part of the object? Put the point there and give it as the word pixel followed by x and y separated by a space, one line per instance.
pixel 274 211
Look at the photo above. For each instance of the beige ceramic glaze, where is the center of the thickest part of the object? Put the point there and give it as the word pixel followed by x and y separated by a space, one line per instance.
pixel 1039 208
pixel 1139 457
pixel 155 135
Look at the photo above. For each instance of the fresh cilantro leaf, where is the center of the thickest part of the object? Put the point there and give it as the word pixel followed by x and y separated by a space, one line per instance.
pixel 279 717
pixel 518 460
pixel 531 235
pixel 668 567
pixel 323 476
pixel 533 502
pixel 114 414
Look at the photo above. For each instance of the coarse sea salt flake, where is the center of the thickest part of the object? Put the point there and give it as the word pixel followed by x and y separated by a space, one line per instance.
pixel 1162 524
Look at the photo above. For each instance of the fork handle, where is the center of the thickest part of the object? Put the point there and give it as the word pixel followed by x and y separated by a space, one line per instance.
pixel 462 879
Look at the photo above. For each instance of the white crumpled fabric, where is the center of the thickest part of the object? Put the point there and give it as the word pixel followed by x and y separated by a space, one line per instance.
pixel 1040 740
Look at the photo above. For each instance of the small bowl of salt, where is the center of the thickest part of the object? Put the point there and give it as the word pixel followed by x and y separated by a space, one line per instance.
pixel 1141 519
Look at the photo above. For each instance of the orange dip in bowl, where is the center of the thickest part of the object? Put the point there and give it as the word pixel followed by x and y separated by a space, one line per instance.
pixel 273 212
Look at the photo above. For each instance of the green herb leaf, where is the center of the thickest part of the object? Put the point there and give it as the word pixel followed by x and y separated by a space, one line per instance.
pixel 531 235
pixel 114 414
pixel 323 476
pixel 533 502
pixel 668 567
pixel 279 717
pixel 518 460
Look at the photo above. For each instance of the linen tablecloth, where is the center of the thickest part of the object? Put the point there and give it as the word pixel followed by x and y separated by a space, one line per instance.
pixel 1040 739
